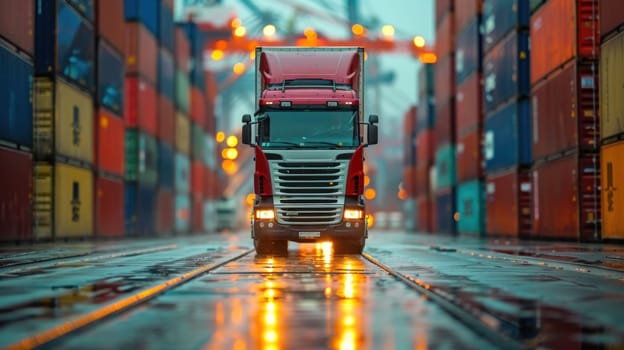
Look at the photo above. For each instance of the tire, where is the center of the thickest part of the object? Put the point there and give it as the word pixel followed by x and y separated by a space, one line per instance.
pixel 349 246
pixel 271 247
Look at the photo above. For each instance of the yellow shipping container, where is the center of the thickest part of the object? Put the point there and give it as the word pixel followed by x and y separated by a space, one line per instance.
pixel 183 134
pixel 612 171
pixel 612 87
pixel 63 201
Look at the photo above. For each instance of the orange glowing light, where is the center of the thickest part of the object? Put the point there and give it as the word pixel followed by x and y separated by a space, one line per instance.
pixel 387 31
pixel 428 58
pixel 252 54
pixel 357 29
pixel 370 193
pixel 250 198
pixel 232 141
pixel 419 41
pixel 456 216
pixel 217 55
pixel 238 68
pixel 221 44
pixel 220 136
pixel 370 220
pixel 310 33
pixel 229 166
pixel 240 31
pixel 402 194
pixel 366 180
pixel 269 30
pixel 236 22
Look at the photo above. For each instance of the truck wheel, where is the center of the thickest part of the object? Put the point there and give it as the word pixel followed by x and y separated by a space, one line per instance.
pixel 271 247
pixel 349 246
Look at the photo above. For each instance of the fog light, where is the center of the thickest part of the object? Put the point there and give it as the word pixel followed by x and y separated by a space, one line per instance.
pixel 348 224
pixel 265 214
pixel 353 214
pixel 270 225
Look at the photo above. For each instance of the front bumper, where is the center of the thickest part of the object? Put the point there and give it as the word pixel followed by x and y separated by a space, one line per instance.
pixel 347 230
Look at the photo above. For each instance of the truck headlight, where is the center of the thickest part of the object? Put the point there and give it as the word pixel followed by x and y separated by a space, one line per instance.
pixel 265 214
pixel 353 214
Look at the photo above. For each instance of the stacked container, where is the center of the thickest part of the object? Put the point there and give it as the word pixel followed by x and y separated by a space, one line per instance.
pixel 409 166
pixel 444 73
pixel 507 122
pixel 612 117
pixel 425 143
pixel 109 126
pixel 470 200
pixel 16 118
pixel 211 185
pixel 63 130
pixel 564 78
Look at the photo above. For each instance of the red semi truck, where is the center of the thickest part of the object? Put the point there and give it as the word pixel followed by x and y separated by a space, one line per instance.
pixel 309 138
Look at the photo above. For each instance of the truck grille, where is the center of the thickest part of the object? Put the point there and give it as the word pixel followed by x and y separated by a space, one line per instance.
pixel 308 193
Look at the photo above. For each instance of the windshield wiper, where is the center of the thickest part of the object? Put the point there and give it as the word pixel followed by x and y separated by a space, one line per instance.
pixel 334 144
pixel 287 143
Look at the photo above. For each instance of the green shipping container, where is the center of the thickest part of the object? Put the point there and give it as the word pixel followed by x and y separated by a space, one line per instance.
pixel 183 91
pixel 198 142
pixel 141 158
pixel 445 167
pixel 471 207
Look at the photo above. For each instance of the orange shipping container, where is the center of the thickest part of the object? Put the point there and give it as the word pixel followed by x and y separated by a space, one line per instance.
pixel 612 87
pixel 445 36
pixel 110 148
pixel 612 166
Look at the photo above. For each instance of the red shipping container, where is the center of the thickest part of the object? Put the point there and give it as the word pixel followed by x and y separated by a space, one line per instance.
pixel 110 143
pixel 423 182
pixel 111 22
pixel 442 8
pixel 508 203
pixel 211 184
pixel 445 37
pixel 566 198
pixel 165 212
pixel 17 23
pixel 465 11
pixel 183 50
pixel 197 214
pixel 444 74
pixel 198 106
pixel 409 180
pixel 469 156
pixel 141 52
pixel 140 105
pixel 166 120
pixel 468 104
pixel 426 214
pixel 561 30
pixel 109 207
pixel 567 102
pixel 611 17
pixel 445 123
pixel 15 195
pixel 425 150
pixel 409 120
pixel 197 178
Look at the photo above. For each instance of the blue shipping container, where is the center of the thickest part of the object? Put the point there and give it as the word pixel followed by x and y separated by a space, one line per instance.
pixel 182 173
pixel 165 165
pixel 110 78
pixel 508 139
pixel 166 74
pixel 166 28
pixel 85 7
pixel 507 72
pixel 16 111
pixel 502 16
pixel 64 44
pixel 468 52
pixel 139 209
pixel 445 166
pixel 182 213
pixel 445 212
pixel 144 11
pixel 471 207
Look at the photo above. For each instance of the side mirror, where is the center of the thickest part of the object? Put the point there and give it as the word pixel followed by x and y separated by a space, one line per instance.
pixel 373 119
pixel 372 134
pixel 246 132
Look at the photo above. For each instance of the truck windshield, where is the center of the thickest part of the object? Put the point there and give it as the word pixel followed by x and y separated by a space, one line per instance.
pixel 309 128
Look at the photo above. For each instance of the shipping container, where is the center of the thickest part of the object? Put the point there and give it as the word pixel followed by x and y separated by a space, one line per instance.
pixel 16 114
pixel 16 195
pixel 425 143
pixel 471 207
pixel 17 24
pixel 426 112
pixel 143 11
pixel 183 134
pixel 183 50
pixel 166 74
pixel 198 106
pixel 445 129
pixel 409 136
pixel 109 207
pixel 165 212
pixel 110 144
pixel 198 142
pixel 507 137
pixel 465 12
pixel 409 181
pixel 425 79
pixel 501 17
pixel 111 23
pixel 612 88
pixel 508 203
pixel 469 104
pixel 567 102
pixel 425 214
pixel 110 85
pixel 468 51
pixel 63 201
pixel 444 73
pixel 85 7
pixel 566 198
pixel 197 179
pixel 445 211
pixel 445 36
pixel 166 120
pixel 560 31
pixel 63 121
pixel 182 213
pixel 166 28
pixel 611 17
pixel 210 184
pixel 210 216
pixel 140 105
pixel 612 170
pixel 141 52
pixel 445 167
pixel 506 70
pixel 140 208
pixel 423 183
pixel 183 91
pixel 469 157
pixel 535 4
pixel 166 166
pixel 197 214
pixel 64 43
pixel 442 8
pixel 141 158
pixel 182 177
pixel 210 156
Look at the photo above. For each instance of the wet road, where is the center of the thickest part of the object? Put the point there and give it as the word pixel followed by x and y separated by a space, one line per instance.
pixel 536 294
